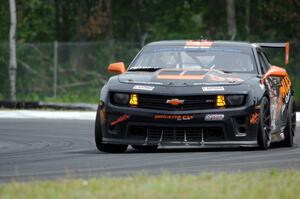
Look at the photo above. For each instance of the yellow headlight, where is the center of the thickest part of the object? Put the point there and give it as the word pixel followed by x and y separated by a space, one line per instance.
pixel 221 101
pixel 133 100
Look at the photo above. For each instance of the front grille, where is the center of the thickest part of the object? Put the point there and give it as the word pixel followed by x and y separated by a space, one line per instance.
pixel 179 134
pixel 190 102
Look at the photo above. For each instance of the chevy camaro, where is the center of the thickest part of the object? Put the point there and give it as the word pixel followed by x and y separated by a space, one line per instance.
pixel 197 93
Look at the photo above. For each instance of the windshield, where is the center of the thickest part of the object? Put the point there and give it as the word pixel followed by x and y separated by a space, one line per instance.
pixel 225 59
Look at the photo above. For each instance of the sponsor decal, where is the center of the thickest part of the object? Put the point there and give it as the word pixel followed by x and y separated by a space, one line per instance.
pixel 143 67
pixel 140 82
pixel 213 88
pixel 214 117
pixel 173 117
pixel 143 87
pixel 175 102
pixel 254 117
pixel 123 118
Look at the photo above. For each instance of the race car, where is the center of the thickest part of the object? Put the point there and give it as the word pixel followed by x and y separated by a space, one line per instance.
pixel 197 93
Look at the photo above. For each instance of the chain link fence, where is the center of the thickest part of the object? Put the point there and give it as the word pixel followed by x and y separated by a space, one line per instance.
pixel 75 72
pixel 60 71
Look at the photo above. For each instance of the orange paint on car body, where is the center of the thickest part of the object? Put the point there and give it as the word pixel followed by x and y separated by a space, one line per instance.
pixel 286 53
pixel 120 119
pixel 274 71
pixel 180 76
pixel 118 67
pixel 254 117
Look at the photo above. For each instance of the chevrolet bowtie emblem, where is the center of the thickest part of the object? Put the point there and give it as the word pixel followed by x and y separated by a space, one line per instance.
pixel 175 102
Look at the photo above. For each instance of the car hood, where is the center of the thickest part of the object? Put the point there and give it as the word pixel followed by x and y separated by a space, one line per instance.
pixel 183 77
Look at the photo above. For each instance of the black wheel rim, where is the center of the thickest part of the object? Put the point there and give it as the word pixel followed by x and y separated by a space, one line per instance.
pixel 267 122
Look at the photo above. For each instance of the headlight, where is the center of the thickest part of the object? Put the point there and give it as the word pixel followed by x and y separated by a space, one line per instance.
pixel 235 100
pixel 120 98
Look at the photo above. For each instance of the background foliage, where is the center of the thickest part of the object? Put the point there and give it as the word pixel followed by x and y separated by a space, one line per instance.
pixel 116 29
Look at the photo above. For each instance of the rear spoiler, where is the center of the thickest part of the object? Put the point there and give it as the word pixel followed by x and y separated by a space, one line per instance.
pixel 286 47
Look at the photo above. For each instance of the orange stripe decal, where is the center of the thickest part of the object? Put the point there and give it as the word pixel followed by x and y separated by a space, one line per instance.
pixel 180 76
pixel 254 118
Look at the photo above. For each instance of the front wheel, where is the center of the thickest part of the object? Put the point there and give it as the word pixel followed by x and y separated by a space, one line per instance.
pixel 264 125
pixel 108 148
pixel 289 131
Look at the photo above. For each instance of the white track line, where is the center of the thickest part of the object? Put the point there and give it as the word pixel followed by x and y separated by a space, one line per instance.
pixel 68 115
pixel 36 114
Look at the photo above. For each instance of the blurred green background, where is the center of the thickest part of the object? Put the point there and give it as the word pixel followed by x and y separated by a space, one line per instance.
pixel 92 33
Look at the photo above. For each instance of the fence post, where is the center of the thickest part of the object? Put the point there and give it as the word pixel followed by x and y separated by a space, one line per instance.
pixel 55 69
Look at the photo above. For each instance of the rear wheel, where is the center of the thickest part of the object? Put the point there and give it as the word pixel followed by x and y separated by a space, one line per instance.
pixel 289 131
pixel 145 148
pixel 264 124
pixel 109 148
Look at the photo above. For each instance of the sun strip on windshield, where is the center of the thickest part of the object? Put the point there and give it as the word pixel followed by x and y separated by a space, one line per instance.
pixel 198 44
pixel 214 49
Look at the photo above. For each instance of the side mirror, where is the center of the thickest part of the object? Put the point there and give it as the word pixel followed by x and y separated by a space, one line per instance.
pixel 118 67
pixel 274 71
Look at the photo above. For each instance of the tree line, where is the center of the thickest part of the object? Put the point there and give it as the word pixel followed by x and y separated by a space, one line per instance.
pixel 144 21
pixel 141 20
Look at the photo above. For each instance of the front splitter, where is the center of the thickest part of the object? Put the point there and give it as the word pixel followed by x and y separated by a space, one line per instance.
pixel 181 143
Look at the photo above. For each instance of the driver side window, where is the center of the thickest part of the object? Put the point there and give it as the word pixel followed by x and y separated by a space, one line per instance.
pixel 264 66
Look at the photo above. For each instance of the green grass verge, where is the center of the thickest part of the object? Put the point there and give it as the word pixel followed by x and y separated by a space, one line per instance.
pixel 263 184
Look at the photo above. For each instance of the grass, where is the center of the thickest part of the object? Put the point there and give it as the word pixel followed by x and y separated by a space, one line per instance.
pixel 72 96
pixel 262 184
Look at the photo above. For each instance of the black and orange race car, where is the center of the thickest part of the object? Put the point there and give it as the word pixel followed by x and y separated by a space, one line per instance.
pixel 201 93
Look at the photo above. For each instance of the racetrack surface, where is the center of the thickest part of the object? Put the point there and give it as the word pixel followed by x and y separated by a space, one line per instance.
pixel 51 149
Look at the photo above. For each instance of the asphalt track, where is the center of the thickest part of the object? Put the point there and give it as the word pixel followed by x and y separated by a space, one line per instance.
pixel 53 149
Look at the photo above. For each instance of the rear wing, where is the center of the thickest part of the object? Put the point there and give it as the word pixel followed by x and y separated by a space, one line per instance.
pixel 286 47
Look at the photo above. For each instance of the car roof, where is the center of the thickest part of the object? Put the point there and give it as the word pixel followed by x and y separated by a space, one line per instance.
pixel 215 43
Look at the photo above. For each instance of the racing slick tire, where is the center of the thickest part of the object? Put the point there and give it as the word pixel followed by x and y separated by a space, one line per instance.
pixel 108 148
pixel 264 123
pixel 289 131
pixel 145 148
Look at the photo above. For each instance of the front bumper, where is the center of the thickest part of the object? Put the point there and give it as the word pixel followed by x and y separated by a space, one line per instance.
pixel 192 128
